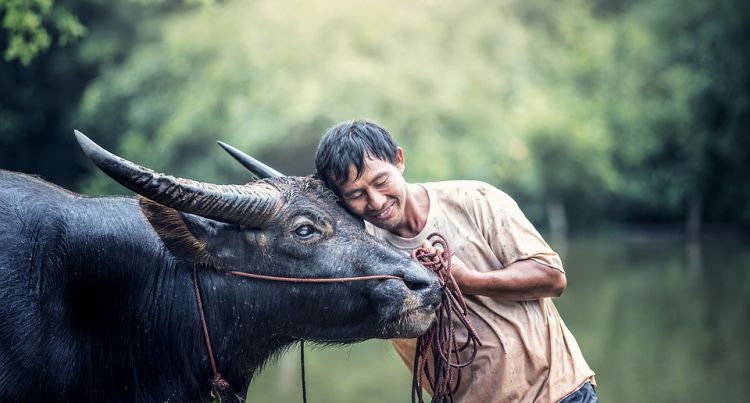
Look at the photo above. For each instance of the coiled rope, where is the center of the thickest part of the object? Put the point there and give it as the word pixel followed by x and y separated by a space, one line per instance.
pixel 440 340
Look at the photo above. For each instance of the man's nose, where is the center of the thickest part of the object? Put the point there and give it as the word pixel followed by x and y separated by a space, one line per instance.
pixel 376 200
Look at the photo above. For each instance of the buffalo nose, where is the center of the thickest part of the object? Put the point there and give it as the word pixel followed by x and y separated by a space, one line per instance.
pixel 425 285
pixel 418 285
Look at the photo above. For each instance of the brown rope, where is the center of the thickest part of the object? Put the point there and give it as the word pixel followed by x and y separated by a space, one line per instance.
pixel 313 280
pixel 440 339
pixel 219 385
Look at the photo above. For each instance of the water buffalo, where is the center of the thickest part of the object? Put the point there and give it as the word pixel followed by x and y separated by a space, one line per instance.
pixel 97 298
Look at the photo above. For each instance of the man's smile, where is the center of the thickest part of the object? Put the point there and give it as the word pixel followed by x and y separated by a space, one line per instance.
pixel 383 214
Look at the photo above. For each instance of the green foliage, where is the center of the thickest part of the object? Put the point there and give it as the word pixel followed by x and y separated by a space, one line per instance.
pixel 39 102
pixel 617 111
pixel 683 74
pixel 459 90
pixel 28 24
pixel 624 111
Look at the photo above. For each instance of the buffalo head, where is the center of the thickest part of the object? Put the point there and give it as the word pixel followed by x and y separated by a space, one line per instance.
pixel 282 226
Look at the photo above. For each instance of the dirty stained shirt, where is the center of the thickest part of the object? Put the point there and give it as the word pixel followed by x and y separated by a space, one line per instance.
pixel 527 352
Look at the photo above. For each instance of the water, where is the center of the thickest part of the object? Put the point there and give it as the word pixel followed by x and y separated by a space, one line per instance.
pixel 659 321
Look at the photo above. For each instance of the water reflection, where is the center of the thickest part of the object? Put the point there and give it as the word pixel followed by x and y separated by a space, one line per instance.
pixel 658 320
pixel 662 321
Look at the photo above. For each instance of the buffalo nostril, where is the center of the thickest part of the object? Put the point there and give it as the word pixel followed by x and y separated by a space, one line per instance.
pixel 427 290
pixel 417 286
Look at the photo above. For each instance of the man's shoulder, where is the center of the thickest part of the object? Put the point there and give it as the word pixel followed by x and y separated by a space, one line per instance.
pixel 456 184
pixel 457 187
pixel 470 192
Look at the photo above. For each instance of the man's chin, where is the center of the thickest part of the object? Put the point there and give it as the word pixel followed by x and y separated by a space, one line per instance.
pixel 383 224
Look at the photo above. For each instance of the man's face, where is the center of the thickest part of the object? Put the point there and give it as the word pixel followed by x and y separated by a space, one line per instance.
pixel 379 195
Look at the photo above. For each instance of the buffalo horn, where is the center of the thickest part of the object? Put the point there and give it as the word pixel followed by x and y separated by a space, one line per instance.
pixel 256 167
pixel 252 205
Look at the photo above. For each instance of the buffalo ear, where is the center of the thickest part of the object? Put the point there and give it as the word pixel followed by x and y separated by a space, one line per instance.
pixel 194 238
pixel 172 227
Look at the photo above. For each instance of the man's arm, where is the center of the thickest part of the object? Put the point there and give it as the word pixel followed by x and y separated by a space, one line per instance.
pixel 528 269
pixel 523 280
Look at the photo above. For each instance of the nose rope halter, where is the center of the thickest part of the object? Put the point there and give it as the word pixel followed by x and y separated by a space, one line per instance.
pixel 440 338
pixel 220 387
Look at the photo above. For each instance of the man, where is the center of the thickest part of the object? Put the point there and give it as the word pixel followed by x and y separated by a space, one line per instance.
pixel 504 268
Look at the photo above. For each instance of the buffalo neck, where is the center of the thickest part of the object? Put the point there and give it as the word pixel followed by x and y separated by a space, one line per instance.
pixel 134 311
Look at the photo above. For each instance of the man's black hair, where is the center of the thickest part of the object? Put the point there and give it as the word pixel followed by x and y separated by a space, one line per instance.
pixel 348 144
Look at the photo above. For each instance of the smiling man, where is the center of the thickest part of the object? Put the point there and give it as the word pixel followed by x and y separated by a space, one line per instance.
pixel 505 269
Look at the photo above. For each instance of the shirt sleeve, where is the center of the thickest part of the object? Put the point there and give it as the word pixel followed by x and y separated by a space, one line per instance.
pixel 509 233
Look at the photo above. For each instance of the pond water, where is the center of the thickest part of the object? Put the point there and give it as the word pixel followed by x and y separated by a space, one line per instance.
pixel 658 320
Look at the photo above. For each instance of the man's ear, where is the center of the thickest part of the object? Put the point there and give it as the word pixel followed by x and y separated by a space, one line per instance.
pixel 400 163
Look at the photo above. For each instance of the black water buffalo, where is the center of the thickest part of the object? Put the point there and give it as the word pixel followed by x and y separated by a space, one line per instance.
pixel 97 298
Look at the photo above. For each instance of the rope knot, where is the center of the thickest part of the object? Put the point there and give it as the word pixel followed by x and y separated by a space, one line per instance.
pixel 219 382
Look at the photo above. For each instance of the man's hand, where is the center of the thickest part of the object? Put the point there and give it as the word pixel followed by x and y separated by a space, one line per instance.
pixel 461 273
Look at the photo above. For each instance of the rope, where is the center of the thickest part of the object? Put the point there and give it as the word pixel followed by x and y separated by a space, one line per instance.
pixel 302 366
pixel 314 280
pixel 440 339
pixel 217 382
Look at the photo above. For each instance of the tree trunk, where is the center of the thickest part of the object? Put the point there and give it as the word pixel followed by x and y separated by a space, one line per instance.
pixel 693 220
pixel 558 220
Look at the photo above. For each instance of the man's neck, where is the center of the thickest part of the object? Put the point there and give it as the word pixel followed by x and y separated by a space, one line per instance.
pixel 416 210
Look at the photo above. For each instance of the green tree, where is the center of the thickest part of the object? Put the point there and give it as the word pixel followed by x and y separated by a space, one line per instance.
pixel 27 25
pixel 680 109
pixel 463 93
pixel 42 84
pixel 611 110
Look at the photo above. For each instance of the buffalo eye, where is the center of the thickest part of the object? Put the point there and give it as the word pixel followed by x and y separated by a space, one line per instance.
pixel 305 231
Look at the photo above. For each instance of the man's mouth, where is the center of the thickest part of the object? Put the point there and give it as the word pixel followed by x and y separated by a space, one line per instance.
pixel 383 214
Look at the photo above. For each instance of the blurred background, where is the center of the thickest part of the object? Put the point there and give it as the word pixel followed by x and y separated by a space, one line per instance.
pixel 620 127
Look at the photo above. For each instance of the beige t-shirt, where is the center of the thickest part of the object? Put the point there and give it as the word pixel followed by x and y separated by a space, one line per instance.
pixel 527 353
